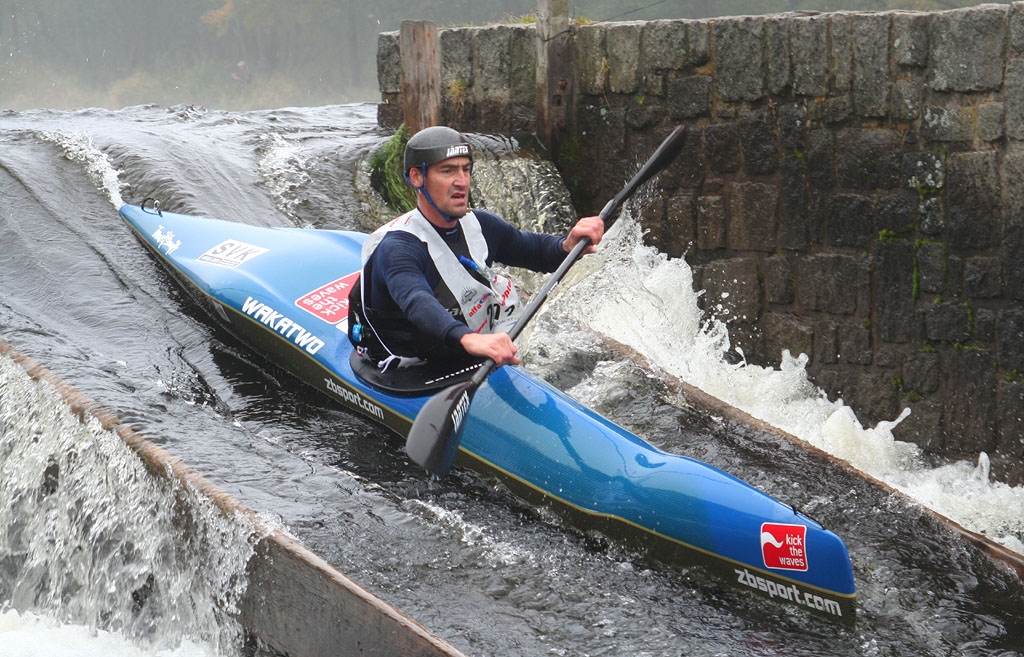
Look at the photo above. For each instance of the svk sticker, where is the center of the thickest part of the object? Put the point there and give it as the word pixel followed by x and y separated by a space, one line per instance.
pixel 329 302
pixel 231 253
pixel 783 546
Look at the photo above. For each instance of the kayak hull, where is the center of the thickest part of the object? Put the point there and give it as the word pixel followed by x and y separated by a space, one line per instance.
pixel 283 291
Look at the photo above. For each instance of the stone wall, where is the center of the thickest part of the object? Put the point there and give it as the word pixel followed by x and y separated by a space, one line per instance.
pixel 852 181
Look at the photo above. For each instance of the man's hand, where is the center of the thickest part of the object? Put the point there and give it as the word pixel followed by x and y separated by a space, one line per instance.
pixel 496 346
pixel 592 227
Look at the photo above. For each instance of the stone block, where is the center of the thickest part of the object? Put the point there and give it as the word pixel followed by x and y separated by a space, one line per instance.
pixel 876 398
pixel 622 41
pixel 389 115
pixel 829 283
pixel 924 171
pixel 983 277
pixel 848 220
pixel 1013 256
pixel 966 49
pixel 731 289
pixel 922 373
pixel 752 217
pixel 984 329
pixel 991 120
pixel 868 159
pixel 969 416
pixel 389 64
pixel 931 217
pixel 910 39
pixel 947 322
pixel 491 64
pixel 689 96
pixel 792 127
pixel 841 32
pixel 924 425
pixel 1013 98
pixel 722 147
pixel 895 212
pixel 954 274
pixel 871 78
pixel 948 125
pixel 1015 27
pixel 1010 340
pixel 973 199
pixel 811 56
pixel 777 56
pixel 786 332
pixel 794 219
pixel 591 59
pixel 821 158
pixel 457 59
pixel 522 73
pixel 778 280
pixel 1012 184
pixel 826 343
pixel 739 58
pixel 907 97
pixel 698 35
pixel 893 292
pixel 931 268
pixel 854 341
pixel 758 143
pixel 710 223
pixel 1010 432
pixel 663 45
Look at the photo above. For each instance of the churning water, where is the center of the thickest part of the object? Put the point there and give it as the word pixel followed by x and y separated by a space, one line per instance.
pixel 91 556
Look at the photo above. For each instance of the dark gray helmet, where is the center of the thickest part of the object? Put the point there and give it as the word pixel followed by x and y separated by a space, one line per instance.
pixel 434 144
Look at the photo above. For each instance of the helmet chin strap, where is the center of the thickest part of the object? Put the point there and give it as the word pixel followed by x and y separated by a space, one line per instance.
pixel 423 190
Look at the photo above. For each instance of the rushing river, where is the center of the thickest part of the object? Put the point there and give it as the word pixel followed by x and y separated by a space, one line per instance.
pixel 480 568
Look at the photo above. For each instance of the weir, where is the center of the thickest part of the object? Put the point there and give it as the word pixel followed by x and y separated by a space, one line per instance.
pixel 851 188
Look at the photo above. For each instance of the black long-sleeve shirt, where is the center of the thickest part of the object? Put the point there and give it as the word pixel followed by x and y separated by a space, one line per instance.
pixel 404 276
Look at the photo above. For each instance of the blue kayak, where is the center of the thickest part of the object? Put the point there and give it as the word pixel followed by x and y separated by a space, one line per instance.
pixel 284 292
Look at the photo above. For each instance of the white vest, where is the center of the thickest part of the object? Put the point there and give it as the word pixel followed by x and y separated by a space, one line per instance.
pixel 490 308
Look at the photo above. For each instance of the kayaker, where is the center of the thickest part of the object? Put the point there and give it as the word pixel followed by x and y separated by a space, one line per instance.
pixel 426 289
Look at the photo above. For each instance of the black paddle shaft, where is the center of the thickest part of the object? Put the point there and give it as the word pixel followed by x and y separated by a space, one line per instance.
pixel 434 437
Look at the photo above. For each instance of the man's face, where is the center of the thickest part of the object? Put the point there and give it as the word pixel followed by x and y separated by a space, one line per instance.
pixel 448 184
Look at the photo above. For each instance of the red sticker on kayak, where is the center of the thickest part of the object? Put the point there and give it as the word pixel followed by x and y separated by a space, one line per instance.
pixel 329 302
pixel 783 546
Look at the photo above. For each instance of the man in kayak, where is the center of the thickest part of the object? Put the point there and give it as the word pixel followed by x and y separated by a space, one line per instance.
pixel 426 289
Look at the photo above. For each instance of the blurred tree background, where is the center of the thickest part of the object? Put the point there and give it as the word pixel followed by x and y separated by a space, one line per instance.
pixel 247 54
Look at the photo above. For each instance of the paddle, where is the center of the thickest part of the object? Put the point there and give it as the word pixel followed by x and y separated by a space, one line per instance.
pixel 435 434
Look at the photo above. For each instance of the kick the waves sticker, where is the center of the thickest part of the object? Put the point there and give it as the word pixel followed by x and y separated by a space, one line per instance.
pixel 329 302
pixel 783 546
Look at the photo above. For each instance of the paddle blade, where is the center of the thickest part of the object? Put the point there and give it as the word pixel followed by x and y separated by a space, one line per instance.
pixel 433 440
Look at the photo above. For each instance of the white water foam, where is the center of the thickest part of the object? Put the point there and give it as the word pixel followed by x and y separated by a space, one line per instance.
pixel 79 147
pixel 98 553
pixel 31 635
pixel 658 291
pixel 498 553
pixel 282 169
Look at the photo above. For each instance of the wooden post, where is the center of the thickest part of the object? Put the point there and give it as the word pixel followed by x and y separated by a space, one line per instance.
pixel 421 75
pixel 554 75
